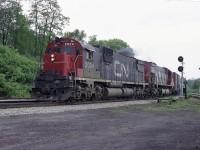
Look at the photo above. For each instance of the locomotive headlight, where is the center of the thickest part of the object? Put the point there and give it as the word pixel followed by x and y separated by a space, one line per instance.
pixel 52 57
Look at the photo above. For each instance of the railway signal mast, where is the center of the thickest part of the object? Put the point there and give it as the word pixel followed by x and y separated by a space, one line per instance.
pixel 180 69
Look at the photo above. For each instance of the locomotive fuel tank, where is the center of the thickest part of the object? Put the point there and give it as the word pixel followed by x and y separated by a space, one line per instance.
pixel 118 92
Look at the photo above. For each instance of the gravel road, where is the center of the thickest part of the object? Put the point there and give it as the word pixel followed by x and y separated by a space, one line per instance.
pixel 102 128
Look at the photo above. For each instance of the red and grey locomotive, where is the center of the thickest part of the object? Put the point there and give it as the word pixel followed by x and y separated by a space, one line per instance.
pixel 74 70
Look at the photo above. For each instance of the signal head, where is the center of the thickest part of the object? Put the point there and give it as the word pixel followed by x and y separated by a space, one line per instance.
pixel 180 69
pixel 180 58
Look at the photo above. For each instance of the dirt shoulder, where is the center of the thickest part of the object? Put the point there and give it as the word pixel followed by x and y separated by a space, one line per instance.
pixel 152 126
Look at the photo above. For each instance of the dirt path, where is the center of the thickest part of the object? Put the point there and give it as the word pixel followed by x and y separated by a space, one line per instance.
pixel 107 129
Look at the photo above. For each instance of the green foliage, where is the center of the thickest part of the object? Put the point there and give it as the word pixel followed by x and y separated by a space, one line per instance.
pixel 193 85
pixel 14 26
pixel 115 44
pixel 16 73
pixel 3 87
pixel 76 34
pixel 47 21
pixel 30 34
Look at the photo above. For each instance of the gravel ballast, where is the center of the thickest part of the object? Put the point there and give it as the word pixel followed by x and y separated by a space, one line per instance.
pixel 57 109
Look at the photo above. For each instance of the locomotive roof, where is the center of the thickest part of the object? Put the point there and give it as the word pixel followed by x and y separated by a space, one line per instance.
pixel 87 46
pixel 126 52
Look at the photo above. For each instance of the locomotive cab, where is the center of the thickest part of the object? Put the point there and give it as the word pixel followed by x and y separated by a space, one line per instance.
pixel 63 57
pixel 62 62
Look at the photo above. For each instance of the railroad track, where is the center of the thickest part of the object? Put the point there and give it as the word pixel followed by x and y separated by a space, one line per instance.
pixel 17 100
pixel 196 95
pixel 20 103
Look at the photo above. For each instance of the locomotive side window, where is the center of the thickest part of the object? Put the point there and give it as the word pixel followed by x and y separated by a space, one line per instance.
pixel 89 55
pixel 78 51
pixel 67 50
pixel 48 50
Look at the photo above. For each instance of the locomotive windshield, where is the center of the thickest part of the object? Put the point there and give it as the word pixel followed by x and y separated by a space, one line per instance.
pixel 67 50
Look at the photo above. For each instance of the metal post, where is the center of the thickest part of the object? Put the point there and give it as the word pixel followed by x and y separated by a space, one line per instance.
pixel 182 81
pixel 185 91
pixel 180 69
pixel 185 88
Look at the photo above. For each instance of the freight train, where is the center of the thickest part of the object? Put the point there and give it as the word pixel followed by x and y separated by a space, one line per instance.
pixel 77 71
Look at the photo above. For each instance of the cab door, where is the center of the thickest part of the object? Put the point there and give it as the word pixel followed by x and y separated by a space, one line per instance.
pixel 78 61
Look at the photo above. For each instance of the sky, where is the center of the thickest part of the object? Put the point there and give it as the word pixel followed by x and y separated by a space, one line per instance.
pixel 158 30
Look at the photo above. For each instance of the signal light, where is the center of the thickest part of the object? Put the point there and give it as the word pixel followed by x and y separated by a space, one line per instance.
pixel 180 69
pixel 180 59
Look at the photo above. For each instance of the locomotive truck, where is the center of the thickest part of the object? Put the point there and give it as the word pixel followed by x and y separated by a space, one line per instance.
pixel 77 71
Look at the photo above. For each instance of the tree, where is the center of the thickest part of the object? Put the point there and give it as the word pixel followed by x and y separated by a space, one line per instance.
pixel 56 21
pixel 6 18
pixel 196 84
pixel 193 85
pixel 36 6
pixel 76 34
pixel 93 40
pixel 52 21
pixel 48 21
pixel 15 26
pixel 115 44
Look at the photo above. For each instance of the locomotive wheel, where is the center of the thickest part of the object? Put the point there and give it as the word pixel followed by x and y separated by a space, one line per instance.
pixel 71 101
pixel 93 97
pixel 83 97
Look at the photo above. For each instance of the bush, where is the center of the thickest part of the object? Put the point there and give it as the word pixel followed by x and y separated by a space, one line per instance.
pixel 17 73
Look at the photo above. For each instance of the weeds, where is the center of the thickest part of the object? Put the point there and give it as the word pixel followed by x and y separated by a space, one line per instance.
pixel 180 105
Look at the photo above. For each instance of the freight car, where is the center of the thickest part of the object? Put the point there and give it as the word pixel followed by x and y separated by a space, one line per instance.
pixel 74 71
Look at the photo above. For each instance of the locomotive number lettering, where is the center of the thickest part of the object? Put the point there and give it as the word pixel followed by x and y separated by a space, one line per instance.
pixel 122 69
pixel 69 44
pixel 89 65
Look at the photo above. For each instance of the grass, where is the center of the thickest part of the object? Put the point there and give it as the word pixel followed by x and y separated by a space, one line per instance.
pixel 190 104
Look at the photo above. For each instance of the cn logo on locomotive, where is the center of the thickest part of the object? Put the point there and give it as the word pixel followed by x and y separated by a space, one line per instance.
pixel 120 69
pixel 89 65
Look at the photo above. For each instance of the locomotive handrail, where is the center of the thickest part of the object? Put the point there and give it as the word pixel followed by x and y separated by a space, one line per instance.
pixel 75 70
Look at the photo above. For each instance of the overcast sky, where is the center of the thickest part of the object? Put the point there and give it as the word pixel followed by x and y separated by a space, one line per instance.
pixel 158 30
